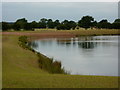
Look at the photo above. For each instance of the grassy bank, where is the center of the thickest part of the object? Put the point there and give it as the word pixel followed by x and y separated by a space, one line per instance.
pixel 45 63
pixel 21 70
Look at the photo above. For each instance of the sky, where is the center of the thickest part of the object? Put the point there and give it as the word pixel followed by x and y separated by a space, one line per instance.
pixel 59 0
pixel 11 11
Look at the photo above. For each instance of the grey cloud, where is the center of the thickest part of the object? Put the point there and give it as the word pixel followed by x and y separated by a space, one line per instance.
pixel 61 11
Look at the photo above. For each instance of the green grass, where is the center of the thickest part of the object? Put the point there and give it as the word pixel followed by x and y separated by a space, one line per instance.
pixel 0 61
pixel 45 63
pixel 77 32
pixel 21 70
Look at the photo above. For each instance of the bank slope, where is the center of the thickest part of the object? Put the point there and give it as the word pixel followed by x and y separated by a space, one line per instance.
pixel 21 70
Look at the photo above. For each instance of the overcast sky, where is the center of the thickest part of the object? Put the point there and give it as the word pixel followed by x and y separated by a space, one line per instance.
pixel 12 11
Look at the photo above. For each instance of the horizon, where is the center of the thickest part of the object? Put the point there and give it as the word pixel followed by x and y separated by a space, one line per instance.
pixel 53 20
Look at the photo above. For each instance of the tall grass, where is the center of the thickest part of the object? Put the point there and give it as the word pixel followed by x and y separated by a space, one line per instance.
pixel 44 62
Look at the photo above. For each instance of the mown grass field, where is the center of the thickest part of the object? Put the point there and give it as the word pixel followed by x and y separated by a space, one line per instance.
pixel 21 70
pixel 77 32
pixel 0 61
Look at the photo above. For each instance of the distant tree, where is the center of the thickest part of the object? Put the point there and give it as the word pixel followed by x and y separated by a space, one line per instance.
pixel 5 26
pixel 0 26
pixel 104 24
pixel 72 24
pixel 116 24
pixel 16 26
pixel 34 24
pixel 86 22
pixel 43 23
pixel 94 24
pixel 20 24
pixel 56 23
pixel 61 27
pixel 50 23
pixel 67 25
pixel 117 21
pixel 103 21
pixel 28 26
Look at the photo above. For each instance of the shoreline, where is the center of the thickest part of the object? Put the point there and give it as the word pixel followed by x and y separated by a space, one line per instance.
pixel 22 72
pixel 45 62
pixel 70 73
pixel 64 33
pixel 33 36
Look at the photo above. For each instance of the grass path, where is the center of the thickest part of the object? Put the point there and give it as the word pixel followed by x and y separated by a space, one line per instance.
pixel 20 70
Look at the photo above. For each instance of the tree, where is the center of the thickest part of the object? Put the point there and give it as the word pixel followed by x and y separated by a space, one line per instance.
pixel 43 23
pixel 34 24
pixel 16 26
pixel 20 24
pixel 5 26
pixel 28 26
pixel 50 23
pixel 67 25
pixel 86 22
pixel 94 24
pixel 56 23
pixel 116 24
pixel 61 27
pixel 117 21
pixel 72 24
pixel 104 24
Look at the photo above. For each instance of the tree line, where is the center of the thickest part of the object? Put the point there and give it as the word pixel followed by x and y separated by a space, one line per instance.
pixel 85 22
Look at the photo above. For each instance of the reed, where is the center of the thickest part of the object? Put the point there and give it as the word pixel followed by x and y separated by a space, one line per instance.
pixel 45 63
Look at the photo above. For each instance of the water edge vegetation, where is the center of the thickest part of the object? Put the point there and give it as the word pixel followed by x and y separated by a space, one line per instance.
pixel 21 69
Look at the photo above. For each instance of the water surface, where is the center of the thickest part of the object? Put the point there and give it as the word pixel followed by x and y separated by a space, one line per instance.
pixel 91 55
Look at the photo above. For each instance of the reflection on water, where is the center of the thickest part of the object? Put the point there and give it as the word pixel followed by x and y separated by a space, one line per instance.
pixel 33 44
pixel 93 55
pixel 87 45
pixel 81 44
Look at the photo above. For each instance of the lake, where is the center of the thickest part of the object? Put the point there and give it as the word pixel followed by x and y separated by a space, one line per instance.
pixel 85 55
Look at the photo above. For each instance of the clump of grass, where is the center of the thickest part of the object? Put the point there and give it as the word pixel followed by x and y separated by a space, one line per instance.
pixel 49 65
pixel 44 62
pixel 23 41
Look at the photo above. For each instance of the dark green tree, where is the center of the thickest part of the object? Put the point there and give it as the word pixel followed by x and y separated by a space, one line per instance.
pixel 34 24
pixel 5 26
pixel 117 21
pixel 56 23
pixel 104 24
pixel 43 23
pixel 72 24
pixel 116 24
pixel 94 24
pixel 67 25
pixel 86 22
pixel 50 23
pixel 20 24
pixel 61 27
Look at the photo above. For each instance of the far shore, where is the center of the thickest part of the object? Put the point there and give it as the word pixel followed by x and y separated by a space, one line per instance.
pixel 52 33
